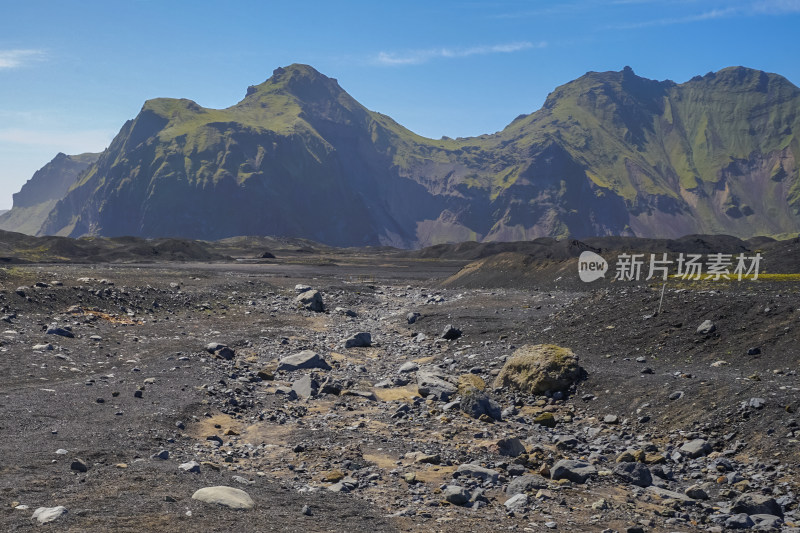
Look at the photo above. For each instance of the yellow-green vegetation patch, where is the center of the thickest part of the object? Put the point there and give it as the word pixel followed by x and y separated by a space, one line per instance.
pixel 539 368
pixel 467 382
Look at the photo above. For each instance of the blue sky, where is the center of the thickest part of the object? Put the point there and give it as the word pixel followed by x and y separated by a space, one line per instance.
pixel 71 73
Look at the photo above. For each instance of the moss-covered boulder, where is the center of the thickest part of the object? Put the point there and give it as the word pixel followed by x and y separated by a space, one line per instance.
pixel 468 382
pixel 539 368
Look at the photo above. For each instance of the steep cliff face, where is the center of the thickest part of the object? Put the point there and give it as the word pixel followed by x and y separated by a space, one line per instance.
pixel 38 195
pixel 608 154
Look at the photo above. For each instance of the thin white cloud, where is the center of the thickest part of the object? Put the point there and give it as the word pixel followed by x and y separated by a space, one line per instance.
pixel 777 7
pixel 18 58
pixel 743 9
pixel 70 142
pixel 416 57
pixel 669 21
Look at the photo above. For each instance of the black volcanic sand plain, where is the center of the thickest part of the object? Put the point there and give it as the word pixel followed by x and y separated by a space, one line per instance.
pixel 136 380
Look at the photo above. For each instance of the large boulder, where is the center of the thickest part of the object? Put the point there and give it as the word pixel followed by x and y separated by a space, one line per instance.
pixel 311 300
pixel 539 368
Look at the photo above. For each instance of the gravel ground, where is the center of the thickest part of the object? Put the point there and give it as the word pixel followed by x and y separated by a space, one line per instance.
pixel 365 451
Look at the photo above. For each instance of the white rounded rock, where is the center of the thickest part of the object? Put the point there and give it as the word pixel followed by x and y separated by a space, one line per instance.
pixel 226 496
pixel 48 514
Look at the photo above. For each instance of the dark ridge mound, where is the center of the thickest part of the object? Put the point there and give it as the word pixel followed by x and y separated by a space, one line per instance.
pixel 20 248
pixel 542 248
pixel 541 263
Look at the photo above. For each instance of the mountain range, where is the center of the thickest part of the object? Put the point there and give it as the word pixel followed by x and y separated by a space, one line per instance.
pixel 610 153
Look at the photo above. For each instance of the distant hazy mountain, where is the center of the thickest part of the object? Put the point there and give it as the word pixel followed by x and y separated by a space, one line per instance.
pixel 38 196
pixel 608 154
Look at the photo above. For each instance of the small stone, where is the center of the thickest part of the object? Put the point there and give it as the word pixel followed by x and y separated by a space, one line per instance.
pixel 677 395
pixel 46 515
pixel 412 317
pixel 706 327
pixel 696 492
pixel 306 510
pixel 409 366
pixel 696 448
pixel 516 502
pixel 479 472
pixel 611 419
pixel 306 359
pixel 191 466
pixel 163 455
pixel 634 473
pixel 546 420
pixel 739 521
pixel 756 504
pixel 456 495
pixel 756 403
pixel 575 471
pixel 525 483
pixel 754 351
pixel 451 333
pixel 62 332
pixel 78 465
pixel 359 340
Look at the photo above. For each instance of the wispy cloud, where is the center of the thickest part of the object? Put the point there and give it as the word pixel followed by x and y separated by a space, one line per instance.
pixel 17 58
pixel 776 7
pixel 747 8
pixel 669 21
pixel 71 142
pixel 416 57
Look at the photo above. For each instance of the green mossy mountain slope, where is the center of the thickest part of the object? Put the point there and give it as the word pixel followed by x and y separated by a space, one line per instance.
pixel 608 154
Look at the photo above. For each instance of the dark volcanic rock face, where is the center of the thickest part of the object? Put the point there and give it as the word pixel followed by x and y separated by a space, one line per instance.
pixel 609 154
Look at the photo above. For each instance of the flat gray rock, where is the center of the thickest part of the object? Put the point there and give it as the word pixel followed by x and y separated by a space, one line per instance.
pixel 409 366
pixel 525 483
pixel 476 403
pixel 634 473
pixel 191 466
pixel 359 340
pixel 225 496
pixel 516 502
pixel 304 360
pixel 456 495
pixel 668 494
pixel 696 448
pixel 305 387
pixel 432 382
pixel 756 504
pixel 575 471
pixel 479 472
